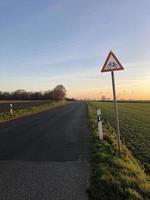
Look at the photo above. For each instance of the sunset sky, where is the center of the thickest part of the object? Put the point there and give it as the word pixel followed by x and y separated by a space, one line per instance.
pixel 50 42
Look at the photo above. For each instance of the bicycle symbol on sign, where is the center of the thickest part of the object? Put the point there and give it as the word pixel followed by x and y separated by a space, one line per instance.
pixel 112 65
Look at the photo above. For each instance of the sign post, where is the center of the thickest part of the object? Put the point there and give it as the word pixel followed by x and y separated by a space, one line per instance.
pixel 116 111
pixel 112 64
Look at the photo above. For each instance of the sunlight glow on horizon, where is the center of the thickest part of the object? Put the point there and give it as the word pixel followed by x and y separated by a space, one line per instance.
pixel 131 94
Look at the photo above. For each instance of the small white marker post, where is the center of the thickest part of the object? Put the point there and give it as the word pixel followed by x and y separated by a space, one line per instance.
pixel 112 64
pixel 11 109
pixel 100 126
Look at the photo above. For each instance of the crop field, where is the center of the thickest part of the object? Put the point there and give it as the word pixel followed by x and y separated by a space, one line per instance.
pixel 5 105
pixel 134 125
pixel 24 108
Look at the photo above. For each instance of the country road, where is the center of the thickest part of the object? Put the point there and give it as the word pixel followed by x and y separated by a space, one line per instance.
pixel 45 156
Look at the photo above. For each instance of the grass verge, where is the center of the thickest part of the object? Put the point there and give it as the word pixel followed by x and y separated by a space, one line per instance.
pixel 6 116
pixel 114 176
pixel 134 127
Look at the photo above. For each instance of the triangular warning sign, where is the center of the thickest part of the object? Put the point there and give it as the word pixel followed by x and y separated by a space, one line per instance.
pixel 112 63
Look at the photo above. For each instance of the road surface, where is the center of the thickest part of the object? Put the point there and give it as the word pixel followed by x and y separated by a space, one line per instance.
pixel 45 156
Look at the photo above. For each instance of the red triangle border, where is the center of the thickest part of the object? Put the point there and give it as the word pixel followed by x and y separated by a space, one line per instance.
pixel 120 65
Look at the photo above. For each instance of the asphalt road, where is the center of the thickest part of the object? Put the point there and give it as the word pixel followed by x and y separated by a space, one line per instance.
pixel 45 156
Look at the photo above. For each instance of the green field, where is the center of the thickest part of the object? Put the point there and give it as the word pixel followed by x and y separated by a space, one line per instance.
pixel 114 176
pixel 135 127
pixel 22 108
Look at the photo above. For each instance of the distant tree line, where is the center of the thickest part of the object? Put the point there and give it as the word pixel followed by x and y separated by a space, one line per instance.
pixel 58 93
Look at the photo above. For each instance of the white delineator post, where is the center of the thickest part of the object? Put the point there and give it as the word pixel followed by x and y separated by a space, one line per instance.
pixel 100 126
pixel 11 109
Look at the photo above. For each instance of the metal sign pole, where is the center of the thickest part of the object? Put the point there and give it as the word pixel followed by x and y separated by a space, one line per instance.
pixel 116 111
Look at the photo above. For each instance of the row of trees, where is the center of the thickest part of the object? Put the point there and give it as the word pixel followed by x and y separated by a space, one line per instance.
pixel 58 93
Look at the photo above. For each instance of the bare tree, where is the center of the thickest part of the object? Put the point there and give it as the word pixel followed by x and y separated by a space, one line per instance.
pixel 59 92
pixel 103 98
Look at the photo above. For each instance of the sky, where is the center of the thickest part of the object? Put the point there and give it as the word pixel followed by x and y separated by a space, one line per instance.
pixel 50 42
